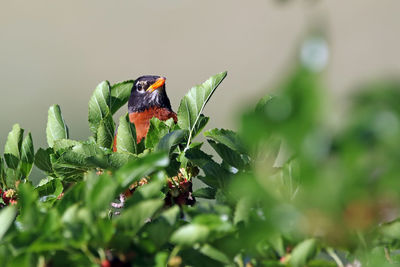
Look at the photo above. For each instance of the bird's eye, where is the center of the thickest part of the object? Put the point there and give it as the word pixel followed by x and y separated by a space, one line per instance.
pixel 139 87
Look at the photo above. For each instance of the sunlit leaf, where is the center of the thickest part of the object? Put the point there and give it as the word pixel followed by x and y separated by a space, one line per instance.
pixel 157 130
pixel 64 144
pixel 303 252
pixel 192 104
pixel 99 105
pixel 117 159
pixel 214 253
pixel 12 149
pixel 126 136
pixel 56 127
pixel 190 234
pixel 7 216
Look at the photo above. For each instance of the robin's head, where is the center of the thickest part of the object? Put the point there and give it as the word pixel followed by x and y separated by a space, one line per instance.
pixel 148 91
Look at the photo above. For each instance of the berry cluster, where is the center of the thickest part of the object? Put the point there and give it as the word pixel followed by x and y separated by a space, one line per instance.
pixel 180 190
pixel 9 197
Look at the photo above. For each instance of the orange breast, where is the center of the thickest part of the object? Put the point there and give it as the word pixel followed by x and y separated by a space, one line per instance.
pixel 142 119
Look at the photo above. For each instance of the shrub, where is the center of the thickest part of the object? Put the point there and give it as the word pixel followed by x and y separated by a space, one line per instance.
pixel 285 190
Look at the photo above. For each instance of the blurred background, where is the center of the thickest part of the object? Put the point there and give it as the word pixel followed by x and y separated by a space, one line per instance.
pixel 57 52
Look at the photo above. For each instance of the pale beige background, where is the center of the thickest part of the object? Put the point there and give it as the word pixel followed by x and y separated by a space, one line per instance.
pixel 58 51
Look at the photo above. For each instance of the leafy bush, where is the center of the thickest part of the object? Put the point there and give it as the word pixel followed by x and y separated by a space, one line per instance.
pixel 285 190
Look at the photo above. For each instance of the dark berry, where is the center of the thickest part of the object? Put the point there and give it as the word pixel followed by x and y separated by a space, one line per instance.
pixel 5 198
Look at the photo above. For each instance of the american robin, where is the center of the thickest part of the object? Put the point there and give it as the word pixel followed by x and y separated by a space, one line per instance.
pixel 148 99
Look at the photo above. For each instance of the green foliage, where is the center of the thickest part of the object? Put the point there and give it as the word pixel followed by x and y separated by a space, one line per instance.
pixel 56 127
pixel 7 216
pixel 126 138
pixel 192 105
pixel 99 106
pixel 120 94
pixel 12 150
pixel 18 156
pixel 285 190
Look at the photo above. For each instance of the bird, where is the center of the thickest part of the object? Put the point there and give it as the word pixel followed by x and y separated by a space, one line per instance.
pixel 148 99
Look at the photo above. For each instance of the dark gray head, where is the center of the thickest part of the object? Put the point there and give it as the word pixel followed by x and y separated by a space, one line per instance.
pixel 148 91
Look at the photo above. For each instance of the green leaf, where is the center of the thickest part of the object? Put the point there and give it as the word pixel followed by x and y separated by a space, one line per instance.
pixel 198 157
pixel 260 107
pixel 161 228
pixel 215 175
pixel 161 259
pixel 205 192
pixel 190 234
pixel 73 163
pixel 126 137
pixel 12 176
pixel 56 127
pixel 116 160
pixel 42 159
pixel 215 223
pixel 192 104
pixel 193 257
pixel 64 144
pixel 27 155
pixel 100 191
pixel 49 186
pixel 27 199
pixel 171 140
pixel 135 217
pixel 105 132
pixel 7 216
pixel 150 190
pixel 201 123
pixel 390 230
pixel 23 259
pixel 69 166
pixel 171 215
pixel 228 138
pixel 2 173
pixel 228 155
pixel 157 130
pixel 12 149
pixel 242 211
pixel 133 171
pixel 276 242
pixel 120 93
pixel 303 252
pixel 214 254
pixel 99 105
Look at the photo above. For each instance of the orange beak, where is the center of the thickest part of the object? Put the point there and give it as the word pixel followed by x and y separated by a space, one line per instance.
pixel 160 82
